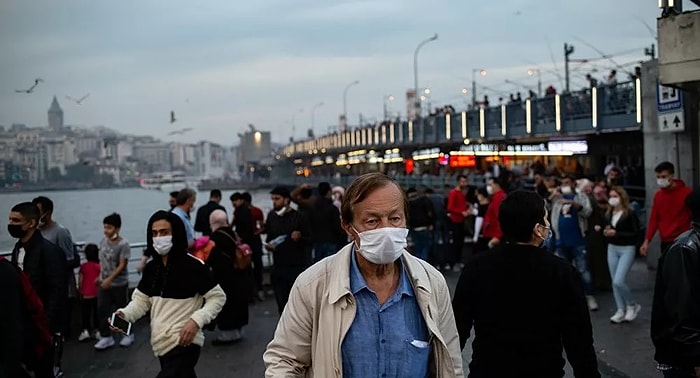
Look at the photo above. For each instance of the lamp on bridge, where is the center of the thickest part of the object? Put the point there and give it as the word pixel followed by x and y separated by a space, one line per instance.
pixel 531 72
pixel 481 72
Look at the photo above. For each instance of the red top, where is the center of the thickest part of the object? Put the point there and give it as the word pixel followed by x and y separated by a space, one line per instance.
pixel 258 219
pixel 90 271
pixel 456 205
pixel 669 214
pixel 491 228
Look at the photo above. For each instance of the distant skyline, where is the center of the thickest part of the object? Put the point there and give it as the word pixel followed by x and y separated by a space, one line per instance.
pixel 223 65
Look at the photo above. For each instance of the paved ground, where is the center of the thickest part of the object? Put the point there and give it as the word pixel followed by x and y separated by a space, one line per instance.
pixel 623 350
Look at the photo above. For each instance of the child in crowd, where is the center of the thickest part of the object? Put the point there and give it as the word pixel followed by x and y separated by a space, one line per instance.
pixel 87 287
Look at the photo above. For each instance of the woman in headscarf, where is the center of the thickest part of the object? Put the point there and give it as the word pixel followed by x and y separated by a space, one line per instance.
pixel 235 283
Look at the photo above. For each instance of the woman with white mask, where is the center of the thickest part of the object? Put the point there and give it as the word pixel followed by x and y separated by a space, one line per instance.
pixel 622 232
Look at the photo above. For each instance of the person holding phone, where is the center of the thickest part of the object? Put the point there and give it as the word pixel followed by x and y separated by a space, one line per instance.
pixel 180 293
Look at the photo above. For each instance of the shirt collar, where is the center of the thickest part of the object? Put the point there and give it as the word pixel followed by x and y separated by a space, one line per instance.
pixel 358 283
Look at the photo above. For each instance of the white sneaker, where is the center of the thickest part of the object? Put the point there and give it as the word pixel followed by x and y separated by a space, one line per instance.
pixel 619 317
pixel 96 335
pixel 126 341
pixel 104 343
pixel 592 303
pixel 84 335
pixel 632 312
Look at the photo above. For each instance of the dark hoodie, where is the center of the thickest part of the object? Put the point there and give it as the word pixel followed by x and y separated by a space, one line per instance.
pixel 669 214
pixel 174 293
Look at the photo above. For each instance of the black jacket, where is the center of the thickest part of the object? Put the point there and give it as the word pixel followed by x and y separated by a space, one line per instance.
pixel 201 224
pixel 243 223
pixel 420 212
pixel 626 229
pixel 675 313
pixel 12 321
pixel 45 264
pixel 525 305
pixel 290 253
pixel 325 222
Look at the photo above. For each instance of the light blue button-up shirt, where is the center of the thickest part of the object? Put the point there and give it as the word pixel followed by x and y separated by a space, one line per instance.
pixel 188 224
pixel 390 340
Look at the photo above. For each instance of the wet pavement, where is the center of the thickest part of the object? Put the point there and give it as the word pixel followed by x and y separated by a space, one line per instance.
pixel 624 350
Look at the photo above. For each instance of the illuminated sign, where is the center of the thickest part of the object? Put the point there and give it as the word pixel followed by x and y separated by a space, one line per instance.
pixel 462 161
pixel 574 146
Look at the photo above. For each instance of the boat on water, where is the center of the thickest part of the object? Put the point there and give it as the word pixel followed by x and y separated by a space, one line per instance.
pixel 169 181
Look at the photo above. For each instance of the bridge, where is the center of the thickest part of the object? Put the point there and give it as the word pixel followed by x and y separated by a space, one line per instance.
pixel 602 109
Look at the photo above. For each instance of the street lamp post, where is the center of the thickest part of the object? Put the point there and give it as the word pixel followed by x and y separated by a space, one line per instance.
pixel 345 100
pixel 313 117
pixel 386 112
pixel 294 125
pixel 415 70
pixel 481 72
pixel 539 80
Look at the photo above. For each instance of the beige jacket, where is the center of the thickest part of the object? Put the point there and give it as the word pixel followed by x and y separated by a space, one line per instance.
pixel 321 309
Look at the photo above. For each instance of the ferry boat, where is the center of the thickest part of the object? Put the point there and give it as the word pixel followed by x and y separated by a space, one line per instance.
pixel 169 182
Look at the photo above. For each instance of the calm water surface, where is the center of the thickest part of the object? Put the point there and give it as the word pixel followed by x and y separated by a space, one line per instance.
pixel 82 211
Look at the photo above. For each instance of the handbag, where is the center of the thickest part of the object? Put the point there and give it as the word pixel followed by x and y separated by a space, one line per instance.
pixel 244 254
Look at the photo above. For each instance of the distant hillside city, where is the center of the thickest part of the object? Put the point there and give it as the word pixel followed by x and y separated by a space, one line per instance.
pixel 62 156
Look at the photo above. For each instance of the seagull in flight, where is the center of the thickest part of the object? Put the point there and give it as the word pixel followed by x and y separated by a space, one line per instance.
pixel 79 101
pixel 172 117
pixel 31 89
pixel 179 132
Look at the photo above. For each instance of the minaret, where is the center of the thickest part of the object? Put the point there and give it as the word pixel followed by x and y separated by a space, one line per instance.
pixel 55 116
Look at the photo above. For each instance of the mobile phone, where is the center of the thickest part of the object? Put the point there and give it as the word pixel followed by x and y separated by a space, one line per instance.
pixel 119 322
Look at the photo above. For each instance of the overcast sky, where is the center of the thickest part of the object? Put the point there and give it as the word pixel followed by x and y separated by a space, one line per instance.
pixel 226 64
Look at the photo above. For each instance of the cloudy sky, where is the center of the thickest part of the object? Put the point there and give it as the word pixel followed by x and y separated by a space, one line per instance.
pixel 221 65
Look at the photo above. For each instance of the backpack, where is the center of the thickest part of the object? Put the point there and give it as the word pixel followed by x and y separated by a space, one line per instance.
pixel 202 248
pixel 39 335
pixel 243 254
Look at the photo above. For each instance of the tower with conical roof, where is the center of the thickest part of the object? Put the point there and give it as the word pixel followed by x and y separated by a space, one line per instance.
pixel 55 116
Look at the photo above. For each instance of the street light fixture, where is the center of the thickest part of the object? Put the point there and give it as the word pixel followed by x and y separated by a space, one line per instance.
pixel 531 72
pixel 415 70
pixel 389 98
pixel 481 72
pixel 345 100
pixel 313 117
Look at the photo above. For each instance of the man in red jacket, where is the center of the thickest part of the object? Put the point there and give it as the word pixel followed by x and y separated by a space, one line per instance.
pixel 457 210
pixel 492 229
pixel 669 214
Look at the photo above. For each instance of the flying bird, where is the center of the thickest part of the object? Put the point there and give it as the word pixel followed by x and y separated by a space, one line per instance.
pixel 172 117
pixel 79 101
pixel 31 89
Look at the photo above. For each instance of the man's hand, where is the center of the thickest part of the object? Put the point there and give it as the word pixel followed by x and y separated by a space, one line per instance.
pixel 609 232
pixel 494 242
pixel 644 249
pixel 106 284
pixel 269 247
pixel 188 332
pixel 296 235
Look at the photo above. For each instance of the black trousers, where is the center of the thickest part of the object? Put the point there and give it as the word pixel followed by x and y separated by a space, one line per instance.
pixel 109 301
pixel 90 319
pixel 179 362
pixel 257 248
pixel 458 234
pixel 282 280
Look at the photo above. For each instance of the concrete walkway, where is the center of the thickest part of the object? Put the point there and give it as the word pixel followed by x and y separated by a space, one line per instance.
pixel 624 350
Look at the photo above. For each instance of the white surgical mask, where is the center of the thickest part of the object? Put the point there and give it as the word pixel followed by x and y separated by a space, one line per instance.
pixel 566 190
pixel 663 182
pixel 281 211
pixel 489 189
pixel 163 244
pixel 579 191
pixel 383 245
pixel 614 201
pixel 115 236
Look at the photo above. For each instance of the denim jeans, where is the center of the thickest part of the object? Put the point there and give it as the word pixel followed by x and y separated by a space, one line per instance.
pixel 620 259
pixel 577 256
pixel 421 244
pixel 323 250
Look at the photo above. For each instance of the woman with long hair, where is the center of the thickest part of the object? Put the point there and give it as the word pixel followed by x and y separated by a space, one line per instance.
pixel 621 232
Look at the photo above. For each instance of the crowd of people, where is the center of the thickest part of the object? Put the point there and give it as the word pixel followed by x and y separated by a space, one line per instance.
pixel 358 276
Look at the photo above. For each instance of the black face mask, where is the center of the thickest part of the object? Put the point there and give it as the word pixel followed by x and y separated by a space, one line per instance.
pixel 16 231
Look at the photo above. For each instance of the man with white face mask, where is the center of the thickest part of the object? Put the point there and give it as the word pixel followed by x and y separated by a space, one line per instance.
pixel 289 241
pixel 372 309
